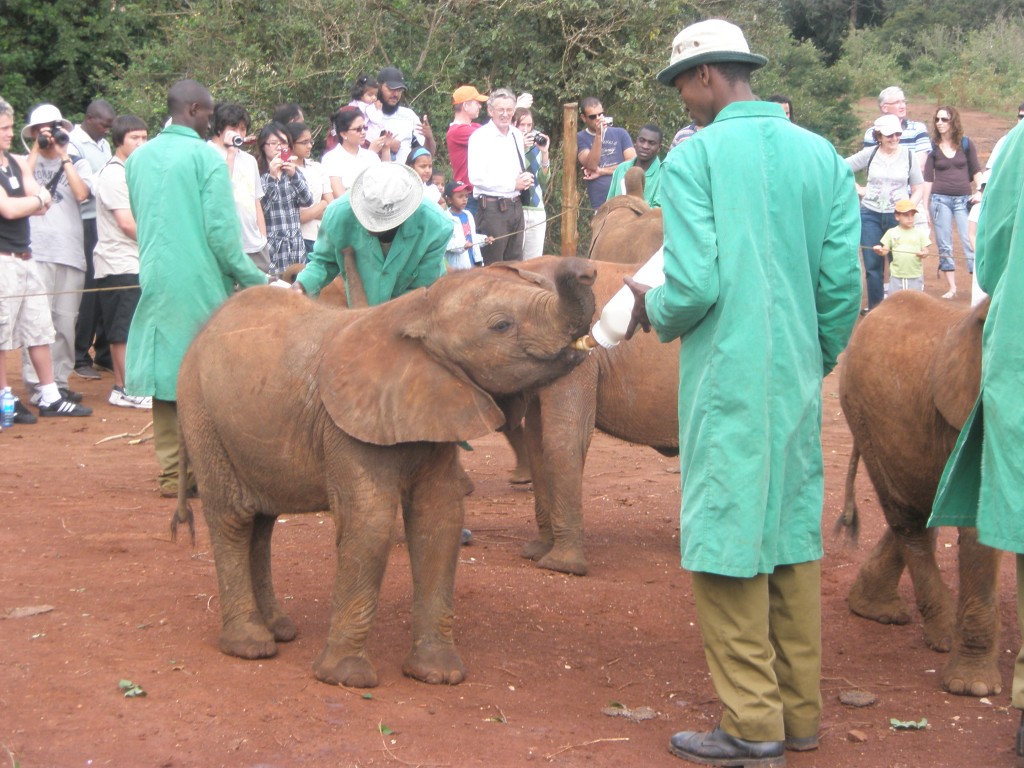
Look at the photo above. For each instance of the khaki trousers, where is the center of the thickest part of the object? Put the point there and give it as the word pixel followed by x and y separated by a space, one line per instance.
pixel 762 640
pixel 165 440
pixel 1017 698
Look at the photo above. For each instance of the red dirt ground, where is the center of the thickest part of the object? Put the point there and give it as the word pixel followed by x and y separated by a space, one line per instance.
pixel 82 529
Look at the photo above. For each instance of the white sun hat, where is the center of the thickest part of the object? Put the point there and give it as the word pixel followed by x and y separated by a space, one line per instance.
pixel 44 114
pixel 385 195
pixel 714 41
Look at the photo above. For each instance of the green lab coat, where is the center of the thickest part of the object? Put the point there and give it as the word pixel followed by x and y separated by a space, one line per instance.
pixel 415 259
pixel 190 253
pixel 983 484
pixel 762 284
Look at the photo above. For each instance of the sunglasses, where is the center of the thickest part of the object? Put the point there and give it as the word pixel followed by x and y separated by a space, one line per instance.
pixel 594 116
pixel 942 119
pixel 1020 116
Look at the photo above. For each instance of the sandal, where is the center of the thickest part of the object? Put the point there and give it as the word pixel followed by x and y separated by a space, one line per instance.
pixel 949 295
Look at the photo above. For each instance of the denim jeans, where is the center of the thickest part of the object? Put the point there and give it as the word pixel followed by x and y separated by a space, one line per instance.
pixel 872 226
pixel 945 209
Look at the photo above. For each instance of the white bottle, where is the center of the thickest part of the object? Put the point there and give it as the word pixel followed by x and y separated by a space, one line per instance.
pixel 610 329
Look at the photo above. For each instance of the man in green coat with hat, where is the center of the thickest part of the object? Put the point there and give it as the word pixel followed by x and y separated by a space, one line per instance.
pixel 762 284
pixel 984 476
pixel 190 258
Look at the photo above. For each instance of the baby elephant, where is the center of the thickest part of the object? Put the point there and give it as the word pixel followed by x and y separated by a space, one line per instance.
pixel 286 406
pixel 909 379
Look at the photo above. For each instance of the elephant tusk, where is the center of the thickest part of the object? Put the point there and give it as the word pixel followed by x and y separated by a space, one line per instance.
pixel 584 343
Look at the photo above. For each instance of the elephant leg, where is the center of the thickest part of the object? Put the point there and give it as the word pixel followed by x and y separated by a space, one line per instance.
pixel 934 600
pixel 364 506
pixel 875 594
pixel 263 583
pixel 516 437
pixel 243 631
pixel 433 514
pixel 540 546
pixel 567 415
pixel 973 668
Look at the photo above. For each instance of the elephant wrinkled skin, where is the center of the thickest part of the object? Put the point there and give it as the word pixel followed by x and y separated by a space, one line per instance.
pixel 629 391
pixel 626 230
pixel 909 379
pixel 287 407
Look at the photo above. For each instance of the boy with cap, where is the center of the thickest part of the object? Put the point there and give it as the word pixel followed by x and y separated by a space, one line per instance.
pixel 908 246
pixel 401 122
pixel 766 300
pixel 464 249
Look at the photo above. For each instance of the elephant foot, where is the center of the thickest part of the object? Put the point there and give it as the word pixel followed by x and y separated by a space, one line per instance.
pixel 938 635
pixel 889 610
pixel 283 629
pixel 352 671
pixel 437 665
pixel 247 639
pixel 520 476
pixel 563 561
pixel 536 549
pixel 972 677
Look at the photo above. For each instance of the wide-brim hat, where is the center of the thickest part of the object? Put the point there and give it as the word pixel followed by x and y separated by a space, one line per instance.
pixel 44 114
pixel 385 195
pixel 708 42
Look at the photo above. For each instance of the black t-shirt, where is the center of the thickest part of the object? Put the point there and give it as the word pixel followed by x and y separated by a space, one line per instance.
pixel 14 233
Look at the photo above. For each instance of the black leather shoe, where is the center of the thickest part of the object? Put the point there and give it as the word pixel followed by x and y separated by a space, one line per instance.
pixel 805 744
pixel 719 748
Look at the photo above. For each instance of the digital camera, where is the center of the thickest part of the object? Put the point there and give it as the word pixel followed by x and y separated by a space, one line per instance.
pixel 539 139
pixel 57 136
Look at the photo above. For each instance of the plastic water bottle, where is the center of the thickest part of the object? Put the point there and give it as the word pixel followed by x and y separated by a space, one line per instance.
pixel 610 329
pixel 7 408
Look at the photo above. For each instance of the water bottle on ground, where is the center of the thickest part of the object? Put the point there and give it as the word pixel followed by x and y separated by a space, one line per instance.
pixel 7 408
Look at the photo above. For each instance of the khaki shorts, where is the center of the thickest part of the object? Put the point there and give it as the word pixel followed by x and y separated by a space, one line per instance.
pixel 24 319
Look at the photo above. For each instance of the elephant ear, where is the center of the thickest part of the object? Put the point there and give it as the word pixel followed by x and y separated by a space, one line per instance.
pixel 954 373
pixel 379 385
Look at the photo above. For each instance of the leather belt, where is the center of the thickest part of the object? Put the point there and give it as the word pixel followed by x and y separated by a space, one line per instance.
pixel 495 197
pixel 24 255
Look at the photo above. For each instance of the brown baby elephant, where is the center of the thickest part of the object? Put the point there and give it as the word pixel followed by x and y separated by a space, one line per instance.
pixel 626 230
pixel 286 406
pixel 909 379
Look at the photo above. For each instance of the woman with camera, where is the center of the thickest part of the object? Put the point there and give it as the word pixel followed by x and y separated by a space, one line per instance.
pixel 58 248
pixel 538 163
pixel 284 192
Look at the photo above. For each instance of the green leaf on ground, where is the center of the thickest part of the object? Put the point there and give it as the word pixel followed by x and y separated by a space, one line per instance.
pixel 908 725
pixel 130 689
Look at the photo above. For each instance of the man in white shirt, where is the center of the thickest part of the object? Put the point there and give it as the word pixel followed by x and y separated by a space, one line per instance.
pixel 89 140
pixel 116 257
pixel 401 122
pixel 231 120
pixel 497 173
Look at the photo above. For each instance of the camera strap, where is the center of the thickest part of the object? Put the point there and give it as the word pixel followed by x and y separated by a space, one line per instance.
pixel 51 185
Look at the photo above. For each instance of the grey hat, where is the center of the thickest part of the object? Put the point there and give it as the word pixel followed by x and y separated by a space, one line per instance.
pixel 385 195
pixel 392 78
pixel 708 42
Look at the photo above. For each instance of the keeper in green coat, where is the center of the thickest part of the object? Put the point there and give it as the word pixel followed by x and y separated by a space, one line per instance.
pixel 190 257
pixel 983 484
pixel 398 237
pixel 762 285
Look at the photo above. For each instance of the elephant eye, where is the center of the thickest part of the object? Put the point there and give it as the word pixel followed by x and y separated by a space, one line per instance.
pixel 501 325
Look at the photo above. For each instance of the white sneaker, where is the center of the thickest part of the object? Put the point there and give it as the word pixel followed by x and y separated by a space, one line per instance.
pixel 120 399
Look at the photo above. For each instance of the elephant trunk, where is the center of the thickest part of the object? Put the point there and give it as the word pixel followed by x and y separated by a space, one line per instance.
pixel 574 283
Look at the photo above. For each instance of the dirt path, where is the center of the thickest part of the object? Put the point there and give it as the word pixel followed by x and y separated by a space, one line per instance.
pixel 83 530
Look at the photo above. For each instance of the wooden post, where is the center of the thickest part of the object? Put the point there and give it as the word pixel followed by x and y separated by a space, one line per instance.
pixel 570 197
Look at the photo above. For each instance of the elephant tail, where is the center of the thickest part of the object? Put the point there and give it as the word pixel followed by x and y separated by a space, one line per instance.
pixel 850 519
pixel 183 510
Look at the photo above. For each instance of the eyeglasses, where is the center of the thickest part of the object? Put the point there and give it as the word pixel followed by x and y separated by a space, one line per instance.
pixel 275 144
pixel 361 129
pixel 941 119
pixel 593 116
